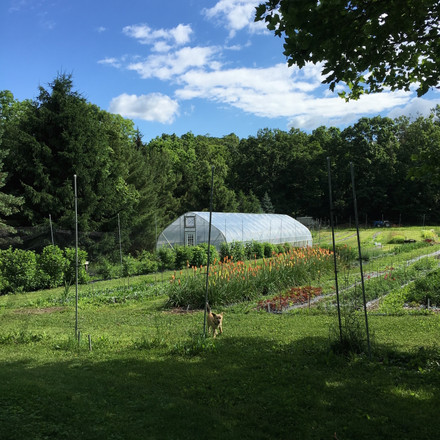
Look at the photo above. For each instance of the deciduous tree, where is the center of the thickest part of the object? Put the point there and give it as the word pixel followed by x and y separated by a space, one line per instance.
pixel 369 45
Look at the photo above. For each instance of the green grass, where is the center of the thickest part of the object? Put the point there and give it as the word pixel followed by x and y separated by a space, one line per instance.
pixel 151 376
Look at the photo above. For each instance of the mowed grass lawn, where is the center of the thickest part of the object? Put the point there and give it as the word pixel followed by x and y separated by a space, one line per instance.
pixel 268 376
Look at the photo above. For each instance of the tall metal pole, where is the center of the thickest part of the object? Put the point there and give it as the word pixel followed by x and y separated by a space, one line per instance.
pixel 360 259
pixel 51 230
pixel 334 247
pixel 209 251
pixel 76 257
pixel 120 240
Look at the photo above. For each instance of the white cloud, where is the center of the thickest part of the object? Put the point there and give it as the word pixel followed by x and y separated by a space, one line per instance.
pixel 111 62
pixel 279 91
pixel 414 108
pixel 160 39
pixel 167 66
pixel 235 15
pixel 154 107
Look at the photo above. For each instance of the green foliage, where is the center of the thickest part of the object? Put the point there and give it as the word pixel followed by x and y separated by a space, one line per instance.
pixel 352 337
pixel 237 251
pixel 194 345
pixel 184 255
pixel 147 263
pixel 409 247
pixel 397 239
pixel 257 249
pixel 374 49
pixel 269 249
pixel 225 250
pixel 129 266
pixel 199 256
pixel 425 289
pixel 345 253
pixel 70 271
pixel 18 269
pixel 213 252
pixel 167 258
pixel 429 234
pixel 51 265
pixel 106 269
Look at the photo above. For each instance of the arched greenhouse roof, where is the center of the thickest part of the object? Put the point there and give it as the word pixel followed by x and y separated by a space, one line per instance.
pixel 192 228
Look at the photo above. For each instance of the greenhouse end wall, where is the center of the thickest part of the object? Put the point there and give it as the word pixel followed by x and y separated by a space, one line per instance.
pixel 192 228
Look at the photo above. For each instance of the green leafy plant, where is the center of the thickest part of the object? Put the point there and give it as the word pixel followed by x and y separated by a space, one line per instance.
pixel 19 269
pixel 51 265
pixel 167 258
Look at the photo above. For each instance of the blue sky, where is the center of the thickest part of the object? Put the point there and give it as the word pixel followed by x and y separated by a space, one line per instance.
pixel 175 66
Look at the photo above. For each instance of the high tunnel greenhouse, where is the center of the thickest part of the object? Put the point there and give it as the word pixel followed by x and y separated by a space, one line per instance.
pixel 192 229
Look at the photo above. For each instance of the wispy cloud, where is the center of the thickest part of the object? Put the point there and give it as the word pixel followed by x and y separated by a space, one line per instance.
pixel 235 15
pixel 161 39
pixel 154 107
pixel 114 62
pixel 168 66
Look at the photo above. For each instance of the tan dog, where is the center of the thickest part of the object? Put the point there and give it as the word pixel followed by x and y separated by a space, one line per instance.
pixel 215 321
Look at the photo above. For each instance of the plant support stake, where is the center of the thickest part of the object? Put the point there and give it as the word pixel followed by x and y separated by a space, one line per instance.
pixel 51 229
pixel 120 240
pixel 360 258
pixel 76 256
pixel 209 251
pixel 334 247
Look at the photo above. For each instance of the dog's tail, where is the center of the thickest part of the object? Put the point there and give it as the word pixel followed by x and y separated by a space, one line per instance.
pixel 208 309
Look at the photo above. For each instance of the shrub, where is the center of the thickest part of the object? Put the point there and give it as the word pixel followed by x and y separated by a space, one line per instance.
pixel 225 251
pixel 167 258
pixel 213 252
pixel 19 269
pixel 129 266
pixel 237 251
pixel 147 263
pixel 257 249
pixel 51 264
pixel 69 273
pixel 107 270
pixel 268 249
pixel 199 256
pixel 183 256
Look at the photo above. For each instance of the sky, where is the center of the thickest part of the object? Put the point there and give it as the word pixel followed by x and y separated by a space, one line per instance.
pixel 177 66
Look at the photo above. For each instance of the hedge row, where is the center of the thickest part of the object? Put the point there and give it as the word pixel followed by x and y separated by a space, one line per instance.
pixel 22 270
pixel 179 257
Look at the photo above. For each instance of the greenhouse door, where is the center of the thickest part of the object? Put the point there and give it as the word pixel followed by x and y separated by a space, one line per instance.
pixel 190 238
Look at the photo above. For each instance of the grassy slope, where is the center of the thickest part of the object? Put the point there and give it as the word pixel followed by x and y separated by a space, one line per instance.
pixel 269 376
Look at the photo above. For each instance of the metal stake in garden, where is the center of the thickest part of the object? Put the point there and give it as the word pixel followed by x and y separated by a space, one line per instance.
pixel 209 252
pixel 51 230
pixel 334 247
pixel 360 258
pixel 76 256
pixel 120 240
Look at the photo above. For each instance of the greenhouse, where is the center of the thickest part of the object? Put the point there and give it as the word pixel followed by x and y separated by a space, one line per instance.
pixel 192 229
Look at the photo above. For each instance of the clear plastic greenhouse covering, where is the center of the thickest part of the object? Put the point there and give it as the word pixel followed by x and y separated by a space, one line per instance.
pixel 192 229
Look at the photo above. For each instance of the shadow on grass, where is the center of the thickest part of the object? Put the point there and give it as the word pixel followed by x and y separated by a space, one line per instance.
pixel 247 388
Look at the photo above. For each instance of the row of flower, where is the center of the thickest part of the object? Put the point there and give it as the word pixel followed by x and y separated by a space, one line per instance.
pixel 232 281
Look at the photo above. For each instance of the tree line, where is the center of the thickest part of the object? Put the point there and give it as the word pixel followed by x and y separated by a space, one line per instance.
pixel 144 186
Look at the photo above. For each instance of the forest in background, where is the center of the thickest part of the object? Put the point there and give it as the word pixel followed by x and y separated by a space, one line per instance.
pixel 140 187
